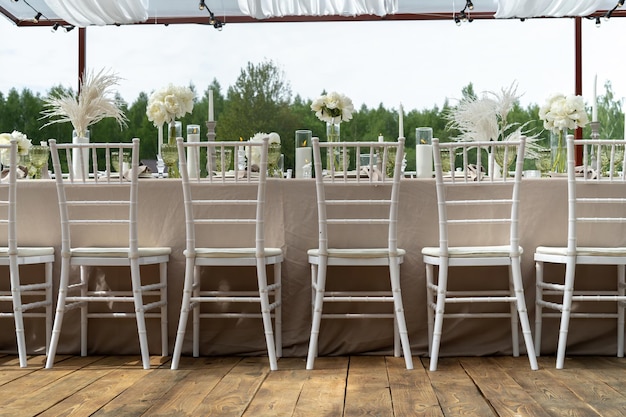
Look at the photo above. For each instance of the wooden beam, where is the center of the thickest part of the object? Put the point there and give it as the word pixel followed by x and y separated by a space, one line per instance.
pixel 82 52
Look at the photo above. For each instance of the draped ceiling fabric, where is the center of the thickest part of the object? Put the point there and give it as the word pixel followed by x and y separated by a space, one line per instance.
pixel 264 9
pixel 545 8
pixel 100 12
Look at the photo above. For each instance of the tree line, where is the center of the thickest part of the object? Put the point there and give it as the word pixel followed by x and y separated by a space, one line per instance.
pixel 261 100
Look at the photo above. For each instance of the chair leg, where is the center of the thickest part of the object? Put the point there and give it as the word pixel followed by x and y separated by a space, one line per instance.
pixel 430 300
pixel 278 311
pixel 18 318
pixel 265 312
pixel 570 272
pixel 49 304
pixel 514 316
pixel 621 291
pixel 84 280
pixel 184 311
pixel 516 270
pixel 538 306
pixel 163 299
pixel 394 273
pixel 135 277
pixel 60 310
pixel 442 284
pixel 195 338
pixel 318 286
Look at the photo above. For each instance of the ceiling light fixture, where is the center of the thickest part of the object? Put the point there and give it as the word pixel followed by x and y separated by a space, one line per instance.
pixel 37 17
pixel 213 21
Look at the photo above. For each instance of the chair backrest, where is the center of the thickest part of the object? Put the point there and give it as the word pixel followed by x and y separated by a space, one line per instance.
pixel 106 199
pixel 596 197
pixel 492 195
pixel 225 208
pixel 8 195
pixel 352 193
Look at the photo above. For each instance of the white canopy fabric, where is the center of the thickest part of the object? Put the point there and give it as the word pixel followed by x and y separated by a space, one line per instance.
pixel 545 8
pixel 263 9
pixel 100 12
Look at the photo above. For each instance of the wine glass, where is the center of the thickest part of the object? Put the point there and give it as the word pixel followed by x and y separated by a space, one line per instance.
pixel 115 161
pixel 38 159
pixel 169 153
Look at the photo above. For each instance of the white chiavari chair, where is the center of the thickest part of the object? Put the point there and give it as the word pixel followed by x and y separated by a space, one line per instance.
pixel 372 202
pixel 494 200
pixel 29 297
pixel 221 204
pixel 99 229
pixel 595 236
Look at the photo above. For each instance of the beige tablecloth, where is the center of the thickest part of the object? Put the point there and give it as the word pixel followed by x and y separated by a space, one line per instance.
pixel 292 225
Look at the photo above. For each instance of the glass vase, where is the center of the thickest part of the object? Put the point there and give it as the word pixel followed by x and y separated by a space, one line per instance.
pixel 558 151
pixel 174 130
pixel 80 157
pixel 273 161
pixel 333 134
pixel 169 154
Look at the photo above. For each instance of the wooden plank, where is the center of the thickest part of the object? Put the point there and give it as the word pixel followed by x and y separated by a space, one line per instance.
pixel 280 391
pixel 456 391
pixel 10 367
pixel 552 394
pixel 201 375
pixel 504 394
pixel 592 386
pixel 86 401
pixel 324 389
pixel 367 391
pixel 411 392
pixel 140 396
pixel 233 393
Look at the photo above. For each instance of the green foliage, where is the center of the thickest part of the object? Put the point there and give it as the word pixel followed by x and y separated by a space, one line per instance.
pixel 261 101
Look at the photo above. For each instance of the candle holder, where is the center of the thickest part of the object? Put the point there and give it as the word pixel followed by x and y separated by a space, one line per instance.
pixel 304 152
pixel 595 134
pixel 193 159
pixel 424 152
pixel 210 136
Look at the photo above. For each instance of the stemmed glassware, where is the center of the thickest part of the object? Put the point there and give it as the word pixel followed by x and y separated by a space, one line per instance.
pixel 38 159
pixel 169 153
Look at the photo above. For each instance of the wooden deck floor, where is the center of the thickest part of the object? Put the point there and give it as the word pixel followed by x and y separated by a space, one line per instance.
pixel 340 386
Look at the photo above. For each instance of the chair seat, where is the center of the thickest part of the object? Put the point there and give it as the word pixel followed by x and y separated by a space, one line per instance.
pixel 234 252
pixel 357 253
pixel 471 251
pixel 582 251
pixel 28 251
pixel 118 252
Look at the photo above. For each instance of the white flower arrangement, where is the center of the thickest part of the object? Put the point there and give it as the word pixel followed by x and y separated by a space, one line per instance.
pixel 169 103
pixel 333 108
pixel 563 112
pixel 23 144
pixel 255 152
pixel 485 119
pixel 95 101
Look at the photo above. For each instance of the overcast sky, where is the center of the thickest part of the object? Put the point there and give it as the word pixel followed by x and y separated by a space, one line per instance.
pixel 419 63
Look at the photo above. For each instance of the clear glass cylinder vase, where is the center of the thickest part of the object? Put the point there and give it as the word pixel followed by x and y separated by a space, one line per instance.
pixel 558 151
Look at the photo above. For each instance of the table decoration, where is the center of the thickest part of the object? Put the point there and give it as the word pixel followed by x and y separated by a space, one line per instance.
pixel 333 108
pixel 424 152
pixel 485 118
pixel 167 104
pixel 23 145
pixel 304 152
pixel 273 152
pixel 560 113
pixel 96 100
pixel 193 160
pixel 169 153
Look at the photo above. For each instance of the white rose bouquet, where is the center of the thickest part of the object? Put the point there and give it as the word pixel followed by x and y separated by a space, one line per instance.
pixel 169 103
pixel 559 113
pixel 333 108
pixel 23 145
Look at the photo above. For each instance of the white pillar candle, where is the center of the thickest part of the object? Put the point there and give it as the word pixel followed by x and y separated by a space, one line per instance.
pixel 304 155
pixel 423 161
pixel 193 135
pixel 211 114
pixel 381 138
pixel 401 122
pixel 594 103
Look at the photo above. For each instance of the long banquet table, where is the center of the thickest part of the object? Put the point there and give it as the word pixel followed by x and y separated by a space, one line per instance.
pixel 292 225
